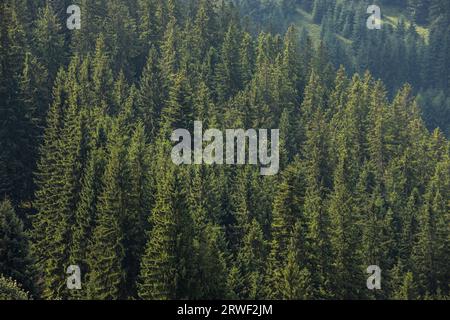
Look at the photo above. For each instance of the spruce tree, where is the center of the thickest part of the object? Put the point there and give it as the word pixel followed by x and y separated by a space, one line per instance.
pixel 228 71
pixel 431 250
pixel 14 121
pixel 295 282
pixel 348 278
pixel 317 220
pixel 165 265
pixel 106 278
pixel 49 41
pixel 251 262
pixel 11 290
pixel 286 212
pixel 15 258
pixel 149 99
pixel 58 180
pixel 138 203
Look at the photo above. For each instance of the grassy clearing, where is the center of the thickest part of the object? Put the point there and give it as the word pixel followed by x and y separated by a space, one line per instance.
pixel 393 15
pixel 304 20
pixel 390 15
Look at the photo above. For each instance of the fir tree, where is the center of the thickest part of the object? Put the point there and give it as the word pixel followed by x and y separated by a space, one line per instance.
pixel 347 275
pixel 16 261
pixel 228 71
pixel 149 98
pixel 165 270
pixel 295 281
pixel 49 41
pixel 431 249
pixel 106 250
pixel 11 290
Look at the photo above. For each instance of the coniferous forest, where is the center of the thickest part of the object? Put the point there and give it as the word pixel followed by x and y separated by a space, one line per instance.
pixel 87 180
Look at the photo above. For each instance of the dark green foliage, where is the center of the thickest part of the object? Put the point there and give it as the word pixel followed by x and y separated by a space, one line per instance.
pixel 49 41
pixel 16 118
pixel 15 258
pixel 419 10
pixel 165 269
pixel 87 115
pixel 106 279
pixel 10 290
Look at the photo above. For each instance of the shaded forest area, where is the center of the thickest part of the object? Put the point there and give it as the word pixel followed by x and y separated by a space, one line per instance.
pixel 86 177
pixel 413 45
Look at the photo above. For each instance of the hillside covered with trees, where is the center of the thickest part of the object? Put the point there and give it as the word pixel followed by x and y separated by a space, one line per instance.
pixel 412 46
pixel 86 176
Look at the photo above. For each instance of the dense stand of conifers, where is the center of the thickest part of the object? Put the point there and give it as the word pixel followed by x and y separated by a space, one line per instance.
pixel 86 117
pixel 394 54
